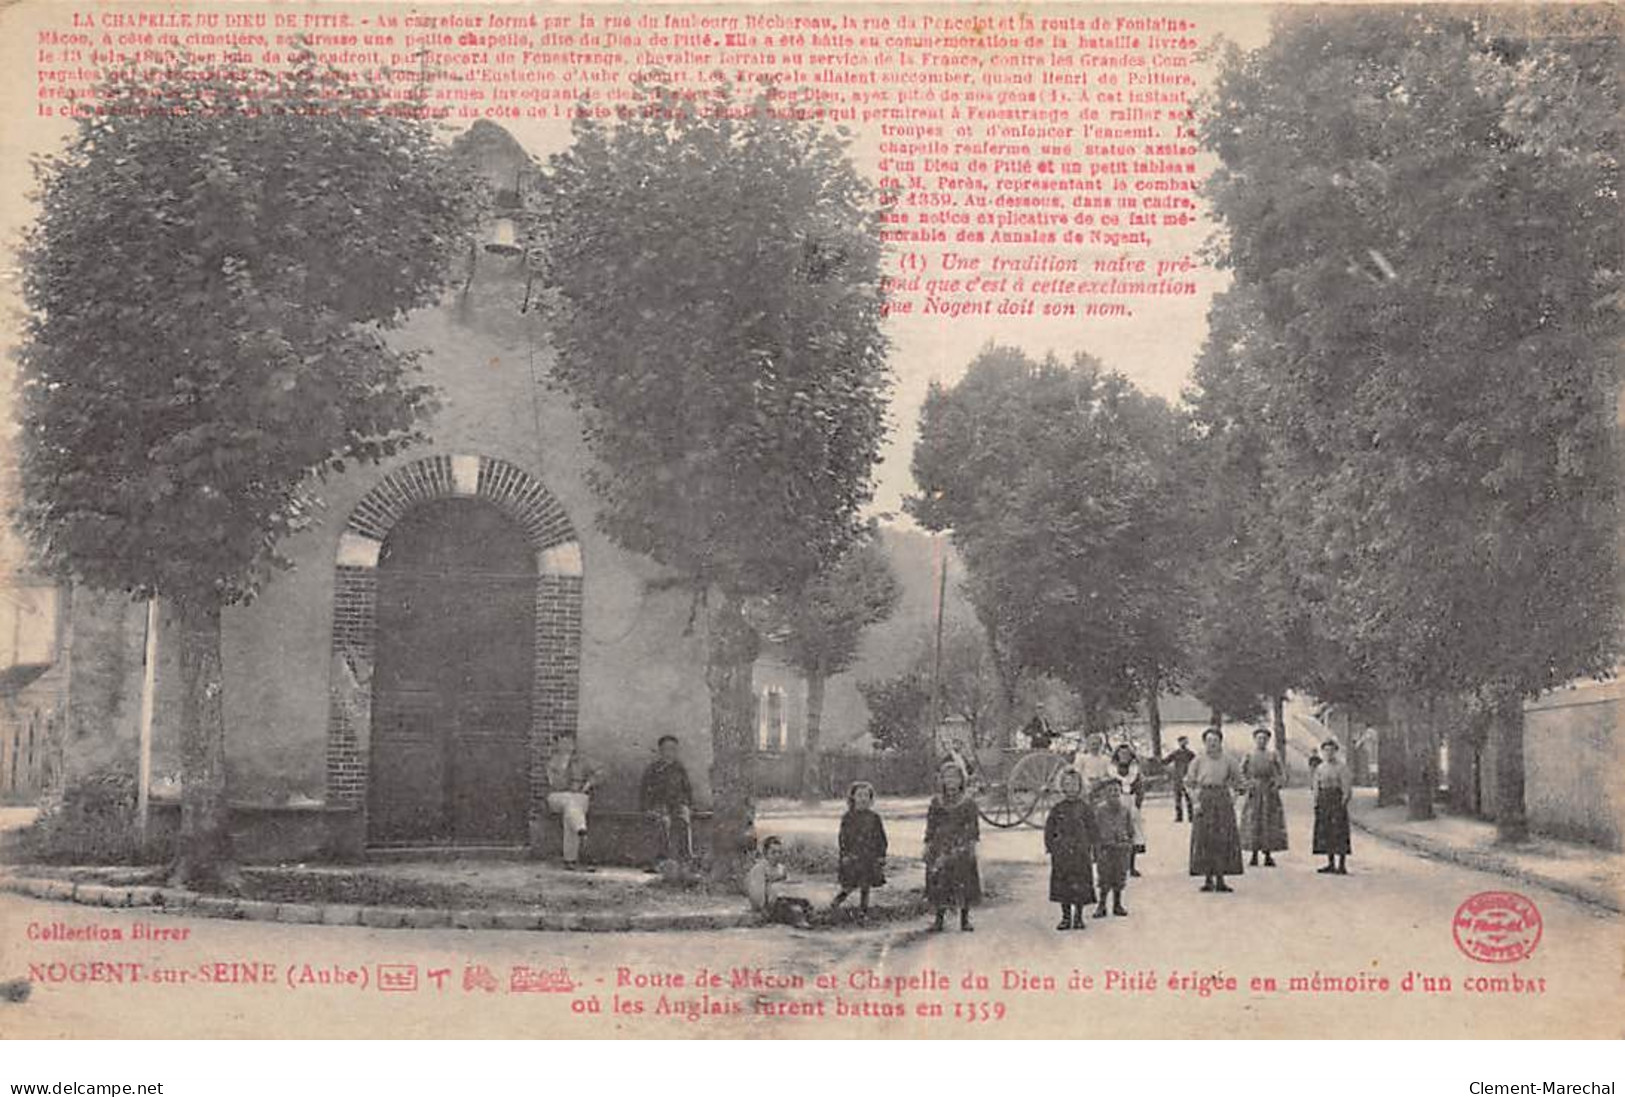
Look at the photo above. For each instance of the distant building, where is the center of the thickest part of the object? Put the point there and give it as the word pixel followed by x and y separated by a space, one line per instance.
pixel 1180 714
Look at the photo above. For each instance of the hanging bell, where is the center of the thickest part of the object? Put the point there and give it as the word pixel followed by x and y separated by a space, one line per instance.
pixel 503 237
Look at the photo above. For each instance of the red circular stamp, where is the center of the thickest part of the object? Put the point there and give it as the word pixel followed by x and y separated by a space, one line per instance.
pixel 1497 927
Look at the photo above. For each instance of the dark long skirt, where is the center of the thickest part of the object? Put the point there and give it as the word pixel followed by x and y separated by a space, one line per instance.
pixel 1112 864
pixel 1263 821
pixel 1071 878
pixel 1215 842
pixel 952 879
pixel 1331 826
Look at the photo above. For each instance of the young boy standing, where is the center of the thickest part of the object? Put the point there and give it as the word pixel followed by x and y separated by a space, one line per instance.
pixel 1114 843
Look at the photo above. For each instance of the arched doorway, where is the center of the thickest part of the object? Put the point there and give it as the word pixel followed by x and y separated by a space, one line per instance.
pixel 553 650
pixel 452 689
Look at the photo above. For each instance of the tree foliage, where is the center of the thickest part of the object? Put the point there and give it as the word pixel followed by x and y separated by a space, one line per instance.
pixel 823 623
pixel 716 264
pixel 1058 482
pixel 1414 198
pixel 967 684
pixel 1249 632
pixel 208 279
pixel 1420 209
pixel 216 258
pixel 899 710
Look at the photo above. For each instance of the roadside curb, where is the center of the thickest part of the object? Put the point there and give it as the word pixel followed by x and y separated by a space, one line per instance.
pixel 1488 862
pixel 165 900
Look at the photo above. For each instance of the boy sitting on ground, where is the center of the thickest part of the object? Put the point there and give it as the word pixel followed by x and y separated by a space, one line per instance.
pixel 762 882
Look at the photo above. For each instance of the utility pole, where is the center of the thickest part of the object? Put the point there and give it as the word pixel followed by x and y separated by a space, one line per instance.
pixel 936 658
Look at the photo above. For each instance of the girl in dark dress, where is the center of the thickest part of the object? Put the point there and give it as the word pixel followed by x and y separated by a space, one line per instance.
pixel 1069 839
pixel 862 848
pixel 951 833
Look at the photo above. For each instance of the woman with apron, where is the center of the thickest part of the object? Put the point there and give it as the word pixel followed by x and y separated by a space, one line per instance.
pixel 1215 842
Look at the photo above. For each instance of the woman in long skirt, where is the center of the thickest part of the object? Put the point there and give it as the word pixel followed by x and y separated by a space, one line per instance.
pixel 1263 819
pixel 952 830
pixel 1215 842
pixel 1334 785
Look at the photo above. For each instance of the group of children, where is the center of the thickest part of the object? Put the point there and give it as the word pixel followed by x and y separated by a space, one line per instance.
pixel 1091 845
pixel 861 864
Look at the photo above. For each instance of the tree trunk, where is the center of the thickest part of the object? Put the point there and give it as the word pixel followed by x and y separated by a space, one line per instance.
pixel 1458 766
pixel 811 781
pixel 1460 769
pixel 1421 758
pixel 1009 682
pixel 1511 813
pixel 1278 724
pixel 1153 717
pixel 1391 767
pixel 731 649
pixel 203 858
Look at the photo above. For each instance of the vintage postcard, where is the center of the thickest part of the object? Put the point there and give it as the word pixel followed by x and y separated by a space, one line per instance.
pixel 679 520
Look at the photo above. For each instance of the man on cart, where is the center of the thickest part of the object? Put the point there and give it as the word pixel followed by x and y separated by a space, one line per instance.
pixel 1038 731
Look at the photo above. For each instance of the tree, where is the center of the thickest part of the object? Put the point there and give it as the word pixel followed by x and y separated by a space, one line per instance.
pixel 1058 484
pixel 822 625
pixel 1250 635
pixel 1000 623
pixel 1415 197
pixel 898 711
pixel 216 257
pixel 716 297
pixel 970 687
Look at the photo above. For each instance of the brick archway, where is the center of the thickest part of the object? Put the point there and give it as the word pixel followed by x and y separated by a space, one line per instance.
pixel 522 497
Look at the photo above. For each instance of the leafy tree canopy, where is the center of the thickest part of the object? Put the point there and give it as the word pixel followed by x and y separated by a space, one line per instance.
pixel 716 268
pixel 1424 204
pixel 1057 482
pixel 899 710
pixel 824 622
pixel 213 263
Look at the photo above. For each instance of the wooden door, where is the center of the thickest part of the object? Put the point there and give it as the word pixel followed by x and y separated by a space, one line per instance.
pixel 450 760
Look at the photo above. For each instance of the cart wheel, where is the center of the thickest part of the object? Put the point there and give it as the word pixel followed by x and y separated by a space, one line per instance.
pixel 1033 786
pixel 994 805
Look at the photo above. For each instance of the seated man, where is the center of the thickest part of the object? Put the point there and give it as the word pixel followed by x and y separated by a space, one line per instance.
pixel 667 798
pixel 1039 734
pixel 570 778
